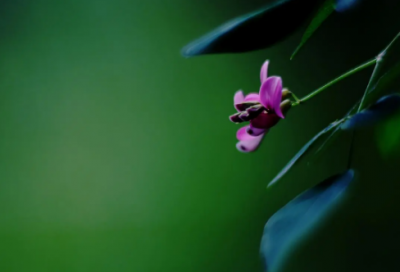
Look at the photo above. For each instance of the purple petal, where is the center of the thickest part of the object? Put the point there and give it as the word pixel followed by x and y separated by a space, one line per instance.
pixel 238 98
pixel 245 105
pixel 265 120
pixel 253 131
pixel 252 97
pixel 250 143
pixel 242 134
pixel 235 118
pixel 248 146
pixel 271 95
pixel 245 116
pixel 264 72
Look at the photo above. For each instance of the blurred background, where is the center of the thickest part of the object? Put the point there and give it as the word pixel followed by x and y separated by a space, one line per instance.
pixel 116 153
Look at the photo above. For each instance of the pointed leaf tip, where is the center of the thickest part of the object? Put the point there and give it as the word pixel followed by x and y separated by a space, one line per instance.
pixel 253 31
pixel 299 217
pixel 322 14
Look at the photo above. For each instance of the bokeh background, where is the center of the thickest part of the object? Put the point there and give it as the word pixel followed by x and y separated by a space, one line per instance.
pixel 116 153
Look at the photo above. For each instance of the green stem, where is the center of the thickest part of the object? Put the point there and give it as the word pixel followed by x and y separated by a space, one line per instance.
pixel 296 98
pixel 349 73
pixel 360 106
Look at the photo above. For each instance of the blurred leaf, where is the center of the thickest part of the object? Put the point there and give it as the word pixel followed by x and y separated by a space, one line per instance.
pixel 343 5
pixel 299 217
pixel 386 71
pixel 323 13
pixel 381 110
pixel 388 134
pixel 303 151
pixel 255 30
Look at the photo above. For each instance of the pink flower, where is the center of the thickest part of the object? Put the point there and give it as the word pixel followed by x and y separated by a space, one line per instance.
pixel 263 110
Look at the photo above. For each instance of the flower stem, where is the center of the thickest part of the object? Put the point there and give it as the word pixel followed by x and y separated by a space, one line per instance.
pixel 296 98
pixel 349 73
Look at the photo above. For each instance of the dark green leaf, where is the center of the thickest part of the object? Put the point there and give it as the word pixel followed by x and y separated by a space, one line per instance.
pixel 303 151
pixel 299 218
pixel 384 108
pixel 323 13
pixel 256 30
pixel 343 5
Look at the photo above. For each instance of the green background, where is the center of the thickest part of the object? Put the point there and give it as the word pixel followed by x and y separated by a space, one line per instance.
pixel 116 154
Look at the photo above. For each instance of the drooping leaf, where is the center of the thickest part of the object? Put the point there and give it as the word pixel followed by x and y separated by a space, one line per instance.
pixel 384 108
pixel 299 218
pixel 323 13
pixel 303 151
pixel 255 30
pixel 386 72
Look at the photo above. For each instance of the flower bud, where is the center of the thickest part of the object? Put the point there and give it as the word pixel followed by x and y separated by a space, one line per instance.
pixel 285 106
pixel 235 118
pixel 245 116
pixel 245 105
pixel 286 94
pixel 254 111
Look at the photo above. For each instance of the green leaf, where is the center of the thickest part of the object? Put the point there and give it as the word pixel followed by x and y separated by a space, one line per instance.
pixel 256 30
pixel 299 218
pixel 344 5
pixel 323 13
pixel 386 73
pixel 382 110
pixel 304 150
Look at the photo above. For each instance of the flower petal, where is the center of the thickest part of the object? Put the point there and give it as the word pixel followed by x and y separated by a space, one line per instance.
pixel 252 97
pixel 271 95
pixel 253 131
pixel 235 118
pixel 245 105
pixel 264 72
pixel 265 120
pixel 242 134
pixel 238 98
pixel 249 145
